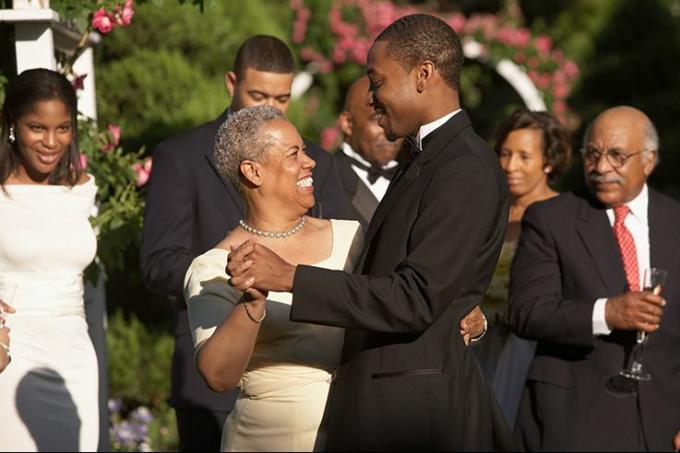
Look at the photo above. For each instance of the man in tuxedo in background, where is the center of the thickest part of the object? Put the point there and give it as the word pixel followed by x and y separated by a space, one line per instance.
pixel 576 288
pixel 189 209
pixel 406 380
pixel 366 160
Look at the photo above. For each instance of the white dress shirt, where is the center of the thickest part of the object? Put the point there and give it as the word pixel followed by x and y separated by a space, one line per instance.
pixel 428 128
pixel 636 222
pixel 379 187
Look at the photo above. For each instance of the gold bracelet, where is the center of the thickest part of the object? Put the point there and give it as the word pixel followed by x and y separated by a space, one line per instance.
pixel 257 321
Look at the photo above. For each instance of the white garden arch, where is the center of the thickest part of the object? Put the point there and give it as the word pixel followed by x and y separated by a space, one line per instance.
pixel 511 72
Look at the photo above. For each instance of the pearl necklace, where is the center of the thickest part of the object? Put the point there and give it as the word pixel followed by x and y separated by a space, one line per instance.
pixel 273 234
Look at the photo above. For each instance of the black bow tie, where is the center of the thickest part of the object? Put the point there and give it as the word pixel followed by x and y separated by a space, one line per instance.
pixel 374 171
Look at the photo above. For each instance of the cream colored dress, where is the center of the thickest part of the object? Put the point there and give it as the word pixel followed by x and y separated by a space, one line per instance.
pixel 286 383
pixel 49 392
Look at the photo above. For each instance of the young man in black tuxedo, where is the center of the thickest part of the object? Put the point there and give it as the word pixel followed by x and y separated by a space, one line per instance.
pixel 406 380
pixel 189 209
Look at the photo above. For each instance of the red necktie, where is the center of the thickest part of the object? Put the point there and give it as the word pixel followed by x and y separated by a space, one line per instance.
pixel 627 247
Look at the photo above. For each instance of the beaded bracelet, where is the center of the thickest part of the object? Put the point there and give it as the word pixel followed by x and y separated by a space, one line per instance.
pixel 252 318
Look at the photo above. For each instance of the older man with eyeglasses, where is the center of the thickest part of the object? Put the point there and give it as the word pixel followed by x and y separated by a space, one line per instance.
pixel 576 289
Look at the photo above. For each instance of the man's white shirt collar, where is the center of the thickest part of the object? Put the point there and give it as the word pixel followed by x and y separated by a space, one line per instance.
pixel 427 129
pixel 349 151
pixel 638 207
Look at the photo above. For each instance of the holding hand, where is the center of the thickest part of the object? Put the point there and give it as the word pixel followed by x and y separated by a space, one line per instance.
pixel 5 357
pixel 254 265
pixel 634 311
pixel 473 325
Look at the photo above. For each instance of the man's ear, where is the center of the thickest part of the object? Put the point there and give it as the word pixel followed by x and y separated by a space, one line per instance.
pixel 346 123
pixel 251 172
pixel 649 162
pixel 230 80
pixel 425 72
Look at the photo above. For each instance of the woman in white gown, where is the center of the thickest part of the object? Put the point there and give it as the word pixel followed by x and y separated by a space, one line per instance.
pixel 48 393
pixel 283 369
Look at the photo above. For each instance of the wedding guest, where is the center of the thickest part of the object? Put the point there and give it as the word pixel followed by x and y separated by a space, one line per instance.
pixel 575 289
pixel 190 208
pixel 534 151
pixel 366 160
pixel 49 392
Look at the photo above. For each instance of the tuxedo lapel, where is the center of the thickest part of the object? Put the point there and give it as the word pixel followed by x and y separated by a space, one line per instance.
pixel 392 196
pixel 598 237
pixel 362 199
pixel 433 144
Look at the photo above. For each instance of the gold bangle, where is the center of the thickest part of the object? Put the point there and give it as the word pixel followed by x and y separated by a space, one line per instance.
pixel 252 318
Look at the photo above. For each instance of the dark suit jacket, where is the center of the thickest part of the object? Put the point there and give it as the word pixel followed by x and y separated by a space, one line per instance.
pixel 189 209
pixel 567 258
pixel 361 201
pixel 406 380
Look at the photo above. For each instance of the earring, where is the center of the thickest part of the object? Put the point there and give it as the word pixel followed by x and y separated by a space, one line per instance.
pixel 11 137
pixel 547 169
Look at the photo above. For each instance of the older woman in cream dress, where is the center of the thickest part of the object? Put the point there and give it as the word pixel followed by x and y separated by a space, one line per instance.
pixel 246 340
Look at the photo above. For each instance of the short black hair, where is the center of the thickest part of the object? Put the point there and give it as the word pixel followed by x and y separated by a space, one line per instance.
pixel 418 37
pixel 556 142
pixel 264 53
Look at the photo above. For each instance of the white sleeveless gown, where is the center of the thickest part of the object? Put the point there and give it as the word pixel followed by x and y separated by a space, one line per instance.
pixel 48 393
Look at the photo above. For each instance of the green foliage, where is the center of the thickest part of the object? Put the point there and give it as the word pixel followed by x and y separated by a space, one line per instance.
pixel 139 378
pixel 165 72
pixel 154 94
pixel 120 206
pixel 139 361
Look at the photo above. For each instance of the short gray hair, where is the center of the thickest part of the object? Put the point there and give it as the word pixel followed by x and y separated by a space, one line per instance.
pixel 650 143
pixel 241 137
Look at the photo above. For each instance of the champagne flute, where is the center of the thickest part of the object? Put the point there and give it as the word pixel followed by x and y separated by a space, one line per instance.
pixel 654 279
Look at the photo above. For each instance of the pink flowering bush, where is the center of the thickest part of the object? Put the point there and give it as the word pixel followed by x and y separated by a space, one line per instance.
pixel 113 14
pixel 333 35
pixel 120 203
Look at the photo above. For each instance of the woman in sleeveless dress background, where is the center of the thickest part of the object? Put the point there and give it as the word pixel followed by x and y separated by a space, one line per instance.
pixel 534 152
pixel 48 393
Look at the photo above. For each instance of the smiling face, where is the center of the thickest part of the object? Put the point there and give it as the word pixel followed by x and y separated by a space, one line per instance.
pixel 43 135
pixel 260 88
pixel 287 169
pixel 394 94
pixel 622 130
pixel 521 157
pixel 360 125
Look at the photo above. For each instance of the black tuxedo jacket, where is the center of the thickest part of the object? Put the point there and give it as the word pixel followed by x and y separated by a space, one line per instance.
pixel 406 380
pixel 362 203
pixel 567 258
pixel 189 209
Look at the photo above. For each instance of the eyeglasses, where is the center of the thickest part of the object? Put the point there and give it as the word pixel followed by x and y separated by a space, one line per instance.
pixel 616 157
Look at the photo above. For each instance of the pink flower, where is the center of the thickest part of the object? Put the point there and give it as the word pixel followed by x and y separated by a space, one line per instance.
pixel 330 137
pixel 78 82
pixel 128 12
pixel 83 161
pixel 457 22
pixel 101 21
pixel 114 130
pixel 571 69
pixel 143 171
pixel 543 45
